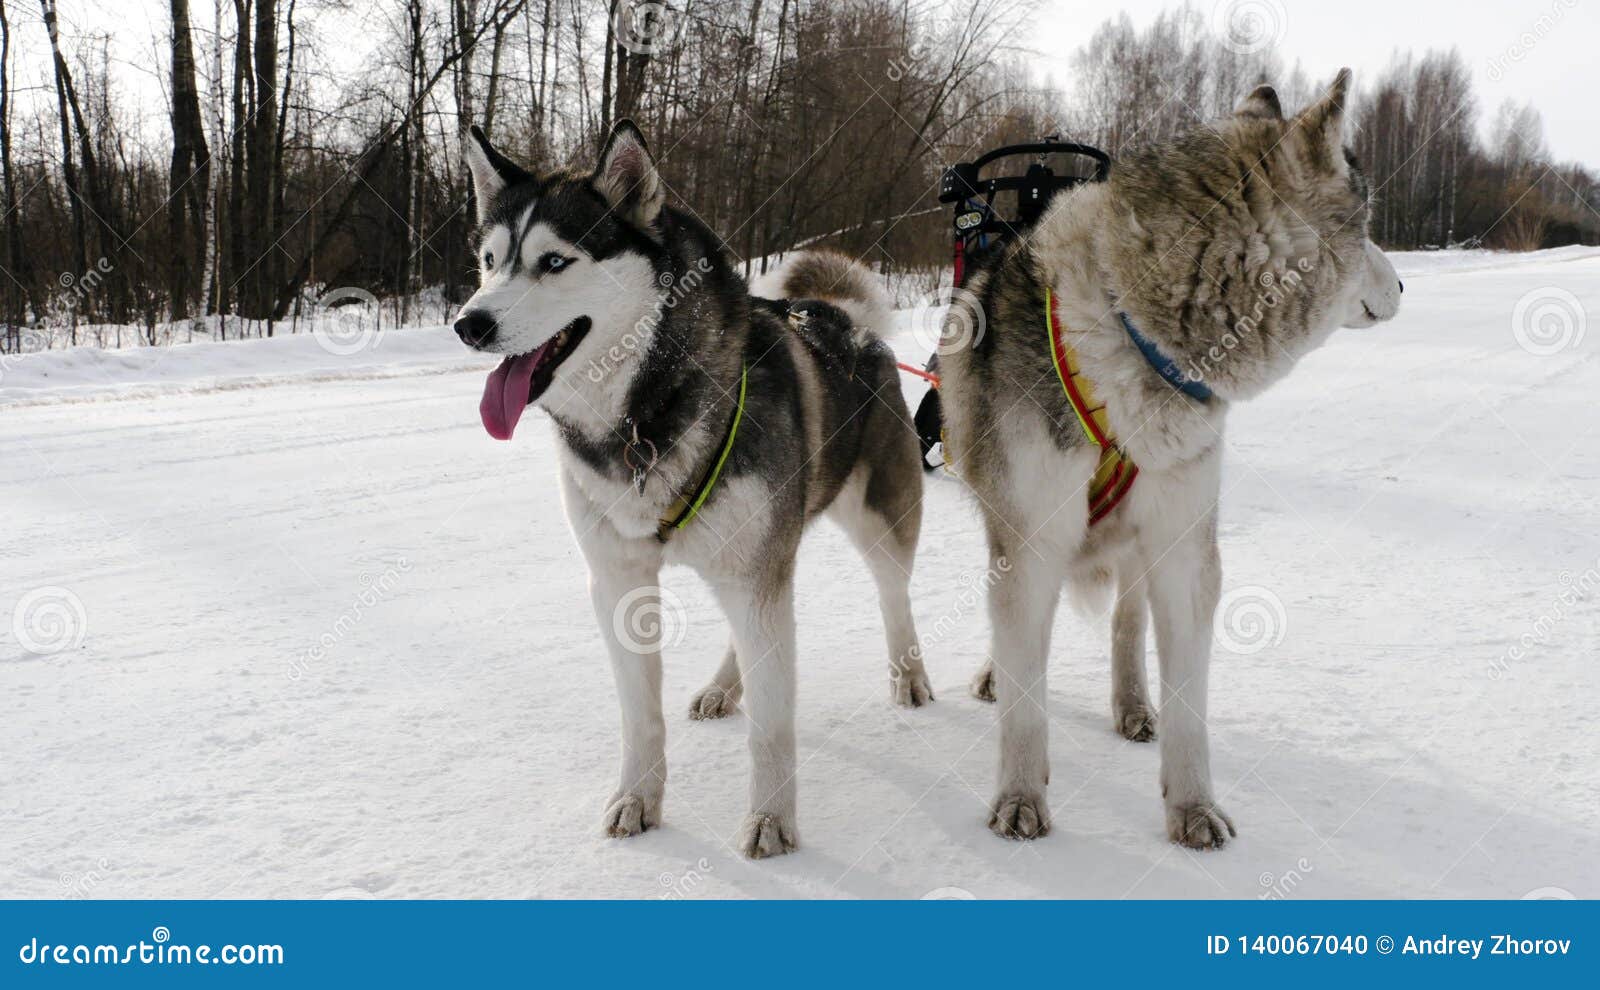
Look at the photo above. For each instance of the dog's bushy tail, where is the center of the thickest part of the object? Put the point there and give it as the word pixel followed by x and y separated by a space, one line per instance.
pixel 833 278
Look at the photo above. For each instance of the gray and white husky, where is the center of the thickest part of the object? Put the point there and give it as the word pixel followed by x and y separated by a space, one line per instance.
pixel 698 425
pixel 1194 277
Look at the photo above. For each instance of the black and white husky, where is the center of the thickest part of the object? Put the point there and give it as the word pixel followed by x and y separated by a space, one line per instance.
pixel 1192 279
pixel 698 425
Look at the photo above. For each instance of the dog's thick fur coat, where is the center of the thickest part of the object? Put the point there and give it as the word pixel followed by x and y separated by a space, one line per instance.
pixel 1235 249
pixel 623 319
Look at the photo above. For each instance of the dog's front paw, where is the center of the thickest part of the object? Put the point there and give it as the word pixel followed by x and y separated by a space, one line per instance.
pixel 1020 815
pixel 763 835
pixel 1199 825
pixel 982 686
pixel 630 814
pixel 1136 723
pixel 712 702
pixel 911 689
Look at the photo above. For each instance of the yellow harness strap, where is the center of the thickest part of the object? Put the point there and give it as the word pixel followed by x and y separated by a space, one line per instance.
pixel 1115 474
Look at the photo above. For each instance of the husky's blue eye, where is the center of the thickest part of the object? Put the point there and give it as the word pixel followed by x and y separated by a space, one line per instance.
pixel 488 259
pixel 552 262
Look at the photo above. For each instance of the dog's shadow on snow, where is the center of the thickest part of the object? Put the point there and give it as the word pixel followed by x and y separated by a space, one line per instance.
pixel 1310 825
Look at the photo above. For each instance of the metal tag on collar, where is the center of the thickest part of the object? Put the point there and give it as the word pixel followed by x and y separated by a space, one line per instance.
pixel 632 454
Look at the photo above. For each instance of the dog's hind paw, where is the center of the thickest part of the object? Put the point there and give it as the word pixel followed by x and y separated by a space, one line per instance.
pixel 982 686
pixel 712 702
pixel 1201 825
pixel 630 814
pixel 910 690
pixel 764 835
pixel 1020 816
pixel 1136 723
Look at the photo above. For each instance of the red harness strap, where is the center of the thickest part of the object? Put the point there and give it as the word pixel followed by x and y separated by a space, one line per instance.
pixel 1114 476
pixel 912 369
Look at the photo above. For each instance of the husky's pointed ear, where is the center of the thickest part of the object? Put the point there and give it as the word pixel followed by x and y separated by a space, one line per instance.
pixel 491 171
pixel 1262 102
pixel 1322 126
pixel 627 178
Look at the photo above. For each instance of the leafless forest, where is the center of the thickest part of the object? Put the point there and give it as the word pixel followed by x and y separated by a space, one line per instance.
pixel 311 144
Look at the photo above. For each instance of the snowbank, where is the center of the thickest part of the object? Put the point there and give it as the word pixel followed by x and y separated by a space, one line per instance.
pixel 89 373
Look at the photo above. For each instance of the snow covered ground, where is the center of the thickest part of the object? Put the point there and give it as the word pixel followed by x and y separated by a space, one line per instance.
pixel 281 622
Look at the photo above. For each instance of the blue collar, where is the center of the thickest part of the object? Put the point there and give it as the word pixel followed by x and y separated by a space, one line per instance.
pixel 1166 367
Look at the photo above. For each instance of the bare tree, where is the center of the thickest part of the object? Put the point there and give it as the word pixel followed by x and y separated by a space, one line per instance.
pixel 189 175
pixel 17 267
pixel 66 103
pixel 281 170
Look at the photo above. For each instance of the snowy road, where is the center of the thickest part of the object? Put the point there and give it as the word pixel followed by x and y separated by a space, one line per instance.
pixel 324 637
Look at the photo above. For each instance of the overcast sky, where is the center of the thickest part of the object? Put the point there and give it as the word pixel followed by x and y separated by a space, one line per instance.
pixel 1543 51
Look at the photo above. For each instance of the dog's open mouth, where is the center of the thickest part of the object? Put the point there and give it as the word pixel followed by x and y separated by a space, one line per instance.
pixel 521 378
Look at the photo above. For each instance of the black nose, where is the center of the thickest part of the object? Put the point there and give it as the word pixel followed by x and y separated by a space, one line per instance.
pixel 476 328
pixel 1402 285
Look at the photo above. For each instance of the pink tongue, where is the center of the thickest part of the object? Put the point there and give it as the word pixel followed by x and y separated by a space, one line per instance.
pixel 505 394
